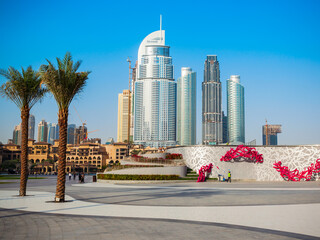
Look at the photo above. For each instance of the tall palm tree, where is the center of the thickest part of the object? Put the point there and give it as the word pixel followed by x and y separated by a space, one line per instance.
pixel 24 89
pixel 64 83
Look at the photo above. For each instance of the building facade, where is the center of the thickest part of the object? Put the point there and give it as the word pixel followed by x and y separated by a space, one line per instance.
pixel 32 122
pixel 211 103
pixel 270 134
pixel 186 107
pixel 71 133
pixel 17 135
pixel 155 94
pixel 42 131
pixel 123 116
pixel 224 128
pixel 235 106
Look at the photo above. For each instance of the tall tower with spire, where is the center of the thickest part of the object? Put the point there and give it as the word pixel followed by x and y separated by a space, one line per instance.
pixel 211 102
pixel 155 94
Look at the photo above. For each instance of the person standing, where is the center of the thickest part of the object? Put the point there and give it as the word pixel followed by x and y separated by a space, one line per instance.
pixel 69 176
pixel 229 176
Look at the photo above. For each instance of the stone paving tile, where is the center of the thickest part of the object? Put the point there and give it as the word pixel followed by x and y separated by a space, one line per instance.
pixel 52 226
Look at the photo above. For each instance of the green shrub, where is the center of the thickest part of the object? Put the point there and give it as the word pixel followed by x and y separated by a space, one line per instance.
pixel 137 177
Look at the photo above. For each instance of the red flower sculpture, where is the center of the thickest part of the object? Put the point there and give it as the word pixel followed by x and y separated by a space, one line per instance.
pixel 295 175
pixel 243 152
pixel 202 172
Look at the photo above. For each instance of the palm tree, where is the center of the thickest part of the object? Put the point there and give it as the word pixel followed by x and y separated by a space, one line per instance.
pixel 24 89
pixel 64 83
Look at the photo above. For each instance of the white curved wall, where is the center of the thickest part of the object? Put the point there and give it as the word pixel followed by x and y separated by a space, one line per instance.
pixel 299 157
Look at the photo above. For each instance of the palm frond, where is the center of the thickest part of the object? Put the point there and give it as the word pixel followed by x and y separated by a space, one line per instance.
pixel 24 89
pixel 64 82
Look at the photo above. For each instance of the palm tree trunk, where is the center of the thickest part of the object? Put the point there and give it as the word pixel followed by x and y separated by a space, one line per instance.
pixel 63 131
pixel 24 151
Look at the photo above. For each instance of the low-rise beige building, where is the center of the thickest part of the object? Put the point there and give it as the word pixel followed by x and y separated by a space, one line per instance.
pixel 87 155
pixel 117 152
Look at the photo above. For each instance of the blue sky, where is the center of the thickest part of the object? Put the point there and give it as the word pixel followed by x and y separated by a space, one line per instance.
pixel 273 45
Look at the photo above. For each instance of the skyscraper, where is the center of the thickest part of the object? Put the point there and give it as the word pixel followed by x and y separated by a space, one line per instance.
pixel 71 133
pixel 32 123
pixel 211 102
pixel 186 107
pixel 123 113
pixel 80 134
pixel 155 94
pixel 224 128
pixel 235 105
pixel 52 132
pixel 17 134
pixel 42 131
pixel 57 131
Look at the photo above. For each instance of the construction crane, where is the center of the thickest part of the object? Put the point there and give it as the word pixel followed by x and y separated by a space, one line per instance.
pixel 83 134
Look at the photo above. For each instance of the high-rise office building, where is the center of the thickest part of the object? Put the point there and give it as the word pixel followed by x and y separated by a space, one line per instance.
pixel 270 134
pixel 224 128
pixel 42 131
pixel 57 131
pixel 81 134
pixel 211 103
pixel 32 123
pixel 17 135
pixel 155 94
pixel 71 134
pixel 52 132
pixel 235 105
pixel 123 113
pixel 186 107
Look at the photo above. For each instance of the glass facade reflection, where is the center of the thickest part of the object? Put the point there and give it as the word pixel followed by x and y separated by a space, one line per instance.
pixel 186 107
pixel 235 105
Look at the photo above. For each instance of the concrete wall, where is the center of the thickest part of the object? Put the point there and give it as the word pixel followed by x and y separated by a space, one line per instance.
pixel 179 170
pixel 154 155
pixel 299 157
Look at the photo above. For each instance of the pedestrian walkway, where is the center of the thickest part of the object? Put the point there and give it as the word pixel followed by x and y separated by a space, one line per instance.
pixel 293 218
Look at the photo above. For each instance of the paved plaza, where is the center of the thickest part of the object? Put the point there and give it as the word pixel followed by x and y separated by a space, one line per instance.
pixel 177 210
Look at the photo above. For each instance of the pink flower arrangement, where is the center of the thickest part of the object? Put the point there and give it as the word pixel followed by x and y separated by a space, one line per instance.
pixel 295 175
pixel 202 172
pixel 248 153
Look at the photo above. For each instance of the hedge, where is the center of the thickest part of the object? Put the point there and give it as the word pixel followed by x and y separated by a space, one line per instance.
pixel 136 177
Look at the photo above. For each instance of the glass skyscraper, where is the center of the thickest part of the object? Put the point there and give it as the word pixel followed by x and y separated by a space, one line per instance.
pixel 52 132
pixel 211 103
pixel 186 107
pixel 155 94
pixel 71 133
pixel 42 131
pixel 32 123
pixel 235 105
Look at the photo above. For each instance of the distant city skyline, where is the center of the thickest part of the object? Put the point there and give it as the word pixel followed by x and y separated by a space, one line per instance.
pixel 275 56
